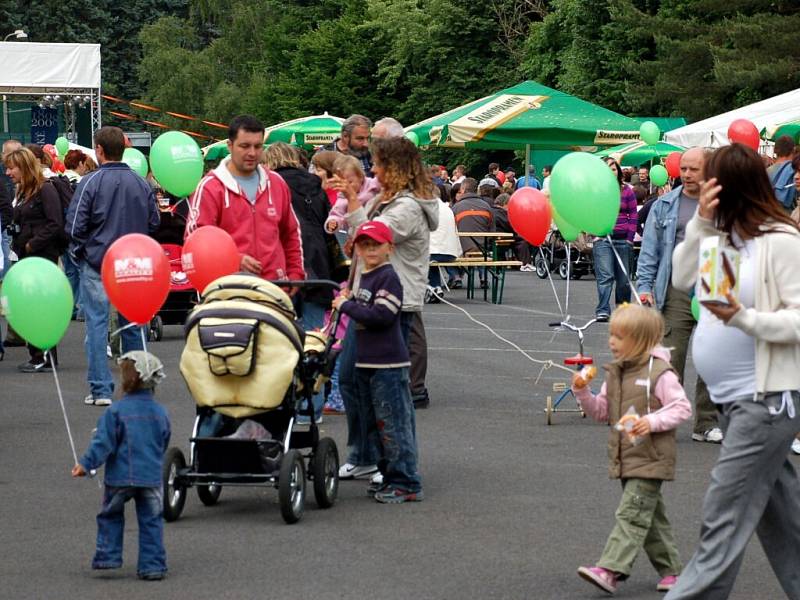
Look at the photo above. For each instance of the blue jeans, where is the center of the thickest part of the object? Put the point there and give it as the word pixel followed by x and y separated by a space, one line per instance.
pixel 95 309
pixel 391 415
pixel 5 244
pixel 607 271
pixel 434 274
pixel 73 273
pixel 362 449
pixel 111 526
pixel 313 318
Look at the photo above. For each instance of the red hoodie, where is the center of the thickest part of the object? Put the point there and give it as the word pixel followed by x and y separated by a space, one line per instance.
pixel 267 230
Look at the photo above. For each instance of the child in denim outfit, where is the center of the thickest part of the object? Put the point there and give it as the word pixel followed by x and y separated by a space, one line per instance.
pixel 131 438
pixel 382 365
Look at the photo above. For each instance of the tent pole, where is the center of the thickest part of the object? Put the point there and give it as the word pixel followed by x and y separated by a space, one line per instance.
pixel 527 163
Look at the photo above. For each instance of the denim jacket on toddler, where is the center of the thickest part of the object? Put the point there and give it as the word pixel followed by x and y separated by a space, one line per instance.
pixel 131 438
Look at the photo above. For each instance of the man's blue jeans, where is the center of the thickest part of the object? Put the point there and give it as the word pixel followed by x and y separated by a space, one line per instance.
pixel 313 318
pixel 387 396
pixel 73 274
pixel 362 449
pixel 608 272
pixel 434 274
pixel 111 526
pixel 95 309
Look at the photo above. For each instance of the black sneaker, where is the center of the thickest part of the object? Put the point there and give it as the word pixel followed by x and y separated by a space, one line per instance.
pixel 602 318
pixel 30 367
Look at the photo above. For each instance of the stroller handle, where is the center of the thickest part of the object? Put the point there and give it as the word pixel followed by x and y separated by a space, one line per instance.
pixel 306 283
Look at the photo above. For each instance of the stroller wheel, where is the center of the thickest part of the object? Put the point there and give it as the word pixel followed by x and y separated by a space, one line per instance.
pixel 563 269
pixel 174 490
pixel 325 472
pixel 541 267
pixel 209 494
pixel 292 486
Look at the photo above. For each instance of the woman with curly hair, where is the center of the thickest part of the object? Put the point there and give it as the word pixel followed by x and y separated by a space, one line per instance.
pixel 408 205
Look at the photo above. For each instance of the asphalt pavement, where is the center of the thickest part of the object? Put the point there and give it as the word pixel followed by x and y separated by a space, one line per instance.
pixel 513 506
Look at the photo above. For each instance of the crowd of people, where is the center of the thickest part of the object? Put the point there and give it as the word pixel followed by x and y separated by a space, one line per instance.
pixel 368 197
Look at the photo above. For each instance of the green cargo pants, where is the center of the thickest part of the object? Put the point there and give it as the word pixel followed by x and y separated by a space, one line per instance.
pixel 641 523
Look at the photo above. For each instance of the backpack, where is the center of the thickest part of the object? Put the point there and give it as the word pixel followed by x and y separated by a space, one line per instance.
pixel 65 190
pixel 782 180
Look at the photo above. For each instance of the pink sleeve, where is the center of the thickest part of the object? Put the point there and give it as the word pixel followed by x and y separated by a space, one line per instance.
pixel 594 406
pixel 338 211
pixel 675 406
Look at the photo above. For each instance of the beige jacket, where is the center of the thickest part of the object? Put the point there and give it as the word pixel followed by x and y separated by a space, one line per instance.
pixel 774 321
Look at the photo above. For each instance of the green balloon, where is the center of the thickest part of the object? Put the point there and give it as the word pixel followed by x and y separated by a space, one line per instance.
pixel 568 232
pixel 585 193
pixel 135 160
pixel 62 145
pixel 791 129
pixel 650 133
pixel 37 300
pixel 659 175
pixel 695 308
pixel 177 163
pixel 412 135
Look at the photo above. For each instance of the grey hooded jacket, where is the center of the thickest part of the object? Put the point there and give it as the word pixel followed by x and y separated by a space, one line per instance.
pixel 411 220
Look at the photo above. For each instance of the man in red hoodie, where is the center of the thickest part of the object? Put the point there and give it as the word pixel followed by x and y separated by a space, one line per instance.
pixel 252 204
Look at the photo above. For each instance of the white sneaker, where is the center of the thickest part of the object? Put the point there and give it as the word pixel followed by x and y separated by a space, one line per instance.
pixel 527 268
pixel 377 479
pixel 796 446
pixel 349 471
pixel 712 436
pixel 92 401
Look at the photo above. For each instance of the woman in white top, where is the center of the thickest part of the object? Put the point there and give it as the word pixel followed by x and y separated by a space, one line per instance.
pixel 748 352
pixel 445 247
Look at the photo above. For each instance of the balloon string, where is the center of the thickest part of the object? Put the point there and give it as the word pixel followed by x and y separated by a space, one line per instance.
pixel 49 358
pixel 121 329
pixel 569 260
pixel 552 285
pixel 546 364
pixel 624 270
pixel 144 347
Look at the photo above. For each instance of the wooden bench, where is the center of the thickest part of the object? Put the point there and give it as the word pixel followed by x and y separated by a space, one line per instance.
pixel 495 270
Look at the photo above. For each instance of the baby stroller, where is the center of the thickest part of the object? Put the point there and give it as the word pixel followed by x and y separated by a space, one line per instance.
pixel 552 256
pixel 248 366
pixel 181 298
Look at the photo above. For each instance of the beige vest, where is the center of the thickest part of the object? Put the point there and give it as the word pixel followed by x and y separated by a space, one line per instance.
pixel 654 458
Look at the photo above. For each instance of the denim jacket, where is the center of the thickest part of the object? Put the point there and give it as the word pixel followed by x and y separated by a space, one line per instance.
pixel 658 241
pixel 131 438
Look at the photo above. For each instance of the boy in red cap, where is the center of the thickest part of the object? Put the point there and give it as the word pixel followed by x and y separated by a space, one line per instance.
pixel 382 365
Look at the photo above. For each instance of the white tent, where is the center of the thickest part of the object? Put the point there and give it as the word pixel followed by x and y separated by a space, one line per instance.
pixel 60 73
pixel 713 132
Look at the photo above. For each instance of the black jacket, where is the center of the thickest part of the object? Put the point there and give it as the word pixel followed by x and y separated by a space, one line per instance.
pixel 41 221
pixel 311 206
pixel 6 198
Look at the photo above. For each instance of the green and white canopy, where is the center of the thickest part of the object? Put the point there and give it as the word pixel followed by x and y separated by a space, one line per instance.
pixel 634 154
pixel 528 114
pixel 315 130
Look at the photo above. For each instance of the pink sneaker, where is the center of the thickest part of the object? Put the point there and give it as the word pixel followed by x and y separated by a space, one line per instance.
pixel 603 578
pixel 666 583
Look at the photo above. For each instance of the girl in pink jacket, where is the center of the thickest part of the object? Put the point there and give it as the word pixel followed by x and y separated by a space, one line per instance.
pixel 643 401
pixel 349 168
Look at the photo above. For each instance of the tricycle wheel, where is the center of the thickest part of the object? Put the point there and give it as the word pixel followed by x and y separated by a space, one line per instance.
pixel 209 494
pixel 325 472
pixel 563 269
pixel 157 328
pixel 292 486
pixel 174 490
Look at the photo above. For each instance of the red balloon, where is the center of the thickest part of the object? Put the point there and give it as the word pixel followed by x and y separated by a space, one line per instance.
pixel 58 166
pixel 673 164
pixel 209 253
pixel 744 132
pixel 135 274
pixel 529 213
pixel 51 150
pixel 501 177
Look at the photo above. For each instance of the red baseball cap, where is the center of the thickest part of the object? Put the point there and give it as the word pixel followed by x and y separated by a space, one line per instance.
pixel 375 230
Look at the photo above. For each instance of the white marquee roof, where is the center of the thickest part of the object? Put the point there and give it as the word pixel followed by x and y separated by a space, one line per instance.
pixel 32 67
